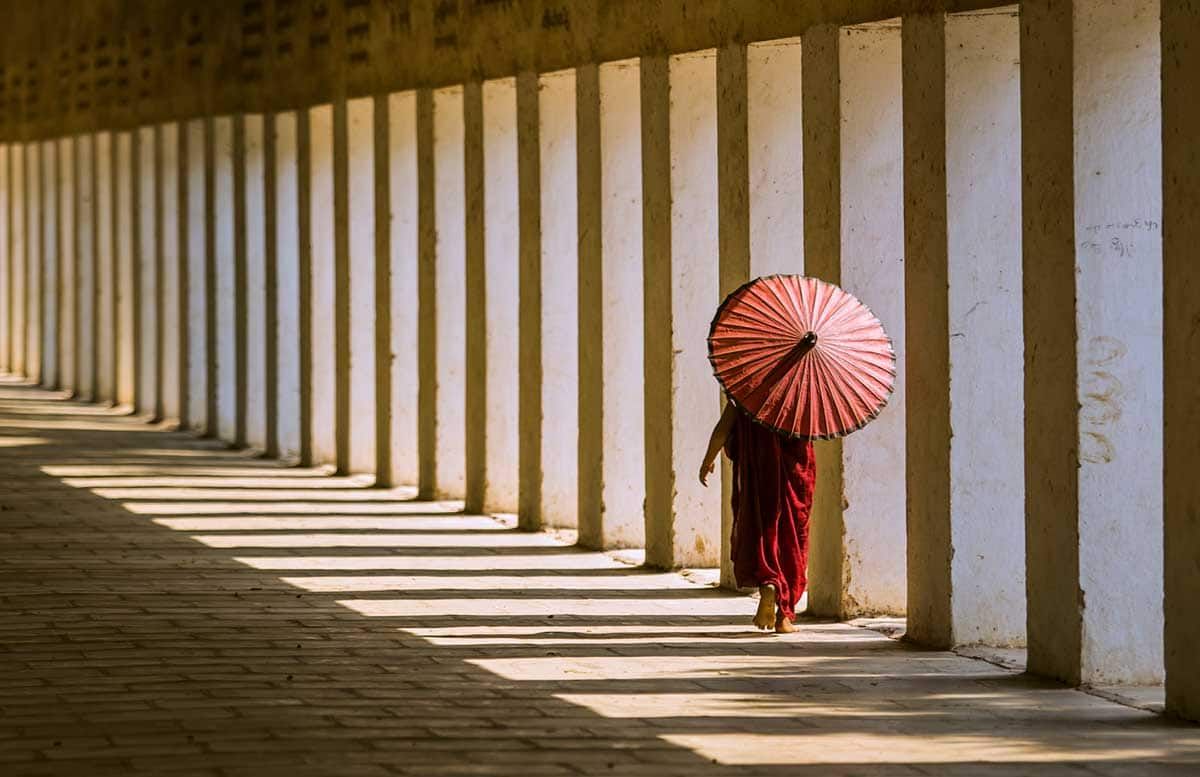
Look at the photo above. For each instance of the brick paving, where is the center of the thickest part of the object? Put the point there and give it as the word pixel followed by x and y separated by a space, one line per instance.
pixel 169 607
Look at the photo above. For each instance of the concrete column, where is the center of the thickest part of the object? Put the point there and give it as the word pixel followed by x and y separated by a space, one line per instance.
pixel 172 299
pixel 529 304
pixel 475 334
pixel 68 273
pixel 255 245
pixel 321 241
pixel 821 109
pixel 50 259
pixel 983 206
pixel 125 263
pixel 34 279
pixel 87 335
pixel 194 141
pixel 382 292
pixel 428 362
pixel 502 269
pixel 450 279
pixel 304 285
pixel 1181 343
pixel 1118 238
pixel 872 240
pixel 557 423
pixel 360 151
pixel 106 308
pixel 502 278
pixel 6 199
pixel 611 457
pixel 225 305
pixel 927 331
pixel 287 241
pixel 404 251
pixel 680 239
pixel 16 260
pixel 148 273
pixel 341 287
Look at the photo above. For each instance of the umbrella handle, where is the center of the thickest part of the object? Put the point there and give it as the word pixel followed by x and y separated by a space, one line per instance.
pixel 807 343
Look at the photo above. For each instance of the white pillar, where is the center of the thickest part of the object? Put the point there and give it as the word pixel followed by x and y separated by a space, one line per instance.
pixel 360 184
pixel 125 276
pixel 17 264
pixel 1118 233
pixel 450 215
pixel 106 306
pixel 254 224
pixel 560 299
pixel 224 292
pixel 173 306
pixel 196 363
pixel 983 182
pixel 611 458
pixel 321 238
pixel 501 272
pixel 679 180
pixel 287 294
pixel 87 334
pixel 34 240
pixel 150 333
pixel 776 159
pixel 50 265
pixel 68 299
pixel 5 257
pixel 873 269
pixel 404 242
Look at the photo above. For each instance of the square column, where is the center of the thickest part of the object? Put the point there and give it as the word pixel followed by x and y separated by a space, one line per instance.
pixel 254 247
pixel 611 457
pixel 49 266
pixel 404 207
pixel 125 263
pixel 106 305
pixel 450 292
pixel 322 301
pixel 529 303
pixel 289 334
pixel 360 227
pixel 68 272
pixel 1181 343
pixel 427 305
pixel 34 281
pixel 87 333
pixel 197 372
pixel 680 239
pixel 557 424
pixel 173 288
pixel 150 332
pixel 224 249
pixel 500 291
pixel 6 200
pixel 381 303
pixel 983 195
pixel 17 263
pixel 872 268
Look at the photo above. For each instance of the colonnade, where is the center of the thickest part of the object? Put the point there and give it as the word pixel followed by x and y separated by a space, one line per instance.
pixel 499 292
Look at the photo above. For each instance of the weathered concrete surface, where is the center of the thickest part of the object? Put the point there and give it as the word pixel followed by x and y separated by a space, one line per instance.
pixel 87 336
pixel 126 293
pixel 194 141
pixel 163 638
pixel 360 184
pixel 287 293
pixel 7 151
pixel 224 249
pixel 149 354
pixel 254 229
pixel 34 238
pixel 321 230
pixel 171 209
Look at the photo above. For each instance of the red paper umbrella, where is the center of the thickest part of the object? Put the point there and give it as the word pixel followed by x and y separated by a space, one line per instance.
pixel 802 356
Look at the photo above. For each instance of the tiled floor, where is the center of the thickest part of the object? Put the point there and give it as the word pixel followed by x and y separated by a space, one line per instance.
pixel 170 608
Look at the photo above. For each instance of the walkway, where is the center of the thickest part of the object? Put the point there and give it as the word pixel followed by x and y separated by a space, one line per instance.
pixel 171 608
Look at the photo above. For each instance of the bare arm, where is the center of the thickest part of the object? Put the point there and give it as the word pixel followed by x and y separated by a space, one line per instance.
pixel 716 441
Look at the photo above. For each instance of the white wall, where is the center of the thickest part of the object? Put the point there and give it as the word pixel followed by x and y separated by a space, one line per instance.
pixel 287 293
pixel 1118 215
pixel 402 184
pixel 360 117
pixel 450 207
pixel 624 476
pixel 196 363
pixel 68 271
pixel 560 298
pixel 694 298
pixel 775 134
pixel 85 243
pixel 254 163
pixel 873 269
pixel 983 180
pixel 147 271
pixel 172 212
pixel 123 171
pixel 324 439
pixel 106 301
pixel 50 264
pixel 224 251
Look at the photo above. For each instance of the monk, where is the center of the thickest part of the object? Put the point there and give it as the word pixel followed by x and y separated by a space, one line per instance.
pixel 773 481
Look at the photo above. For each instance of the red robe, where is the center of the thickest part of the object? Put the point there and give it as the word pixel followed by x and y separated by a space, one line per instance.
pixel 773 482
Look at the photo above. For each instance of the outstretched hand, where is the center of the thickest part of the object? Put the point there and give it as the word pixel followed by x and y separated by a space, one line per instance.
pixel 706 469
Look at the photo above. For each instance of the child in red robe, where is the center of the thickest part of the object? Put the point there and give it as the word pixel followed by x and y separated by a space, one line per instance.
pixel 773 481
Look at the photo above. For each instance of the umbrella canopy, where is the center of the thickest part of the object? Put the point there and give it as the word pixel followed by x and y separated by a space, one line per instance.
pixel 802 356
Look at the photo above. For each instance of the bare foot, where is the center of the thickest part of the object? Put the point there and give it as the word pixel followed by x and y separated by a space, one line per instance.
pixel 764 618
pixel 783 625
